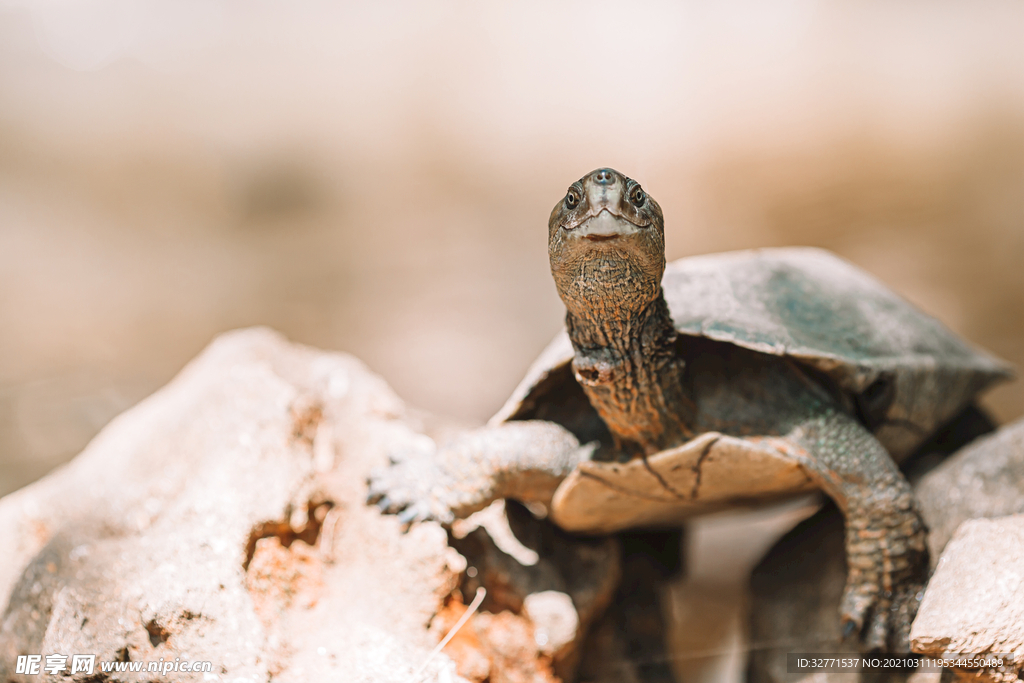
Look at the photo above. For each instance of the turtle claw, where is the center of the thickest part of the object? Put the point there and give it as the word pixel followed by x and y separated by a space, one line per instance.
pixel 415 513
pixel 858 599
pixel 408 516
pixel 407 513
pixel 867 616
pixel 375 494
pixel 888 626
pixel 849 628
pixel 880 620
pixel 414 488
pixel 876 635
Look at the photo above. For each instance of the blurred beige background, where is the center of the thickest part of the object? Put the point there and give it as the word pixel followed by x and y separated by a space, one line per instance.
pixel 376 177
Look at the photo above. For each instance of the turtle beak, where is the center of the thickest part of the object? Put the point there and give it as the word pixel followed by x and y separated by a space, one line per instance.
pixel 605 226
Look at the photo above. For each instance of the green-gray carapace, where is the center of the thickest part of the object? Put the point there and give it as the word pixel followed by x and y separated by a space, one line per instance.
pixel 719 380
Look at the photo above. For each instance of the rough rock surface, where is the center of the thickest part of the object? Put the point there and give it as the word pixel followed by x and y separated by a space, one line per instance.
pixel 797 587
pixel 222 520
pixel 974 604
pixel 984 479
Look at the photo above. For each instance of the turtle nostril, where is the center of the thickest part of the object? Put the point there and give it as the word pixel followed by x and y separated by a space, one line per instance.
pixel 604 177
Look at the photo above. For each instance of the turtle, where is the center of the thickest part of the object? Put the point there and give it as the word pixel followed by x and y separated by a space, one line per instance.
pixel 710 382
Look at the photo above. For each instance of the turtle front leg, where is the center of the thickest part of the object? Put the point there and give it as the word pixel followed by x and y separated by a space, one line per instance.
pixel 886 550
pixel 521 460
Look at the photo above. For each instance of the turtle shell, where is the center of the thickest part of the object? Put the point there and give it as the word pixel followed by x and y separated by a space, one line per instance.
pixel 901 371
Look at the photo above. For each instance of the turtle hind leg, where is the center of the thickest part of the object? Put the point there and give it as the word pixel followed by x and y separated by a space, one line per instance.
pixel 631 638
pixel 522 460
pixel 649 560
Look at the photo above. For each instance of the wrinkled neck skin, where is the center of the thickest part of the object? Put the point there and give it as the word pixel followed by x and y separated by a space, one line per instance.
pixel 606 243
pixel 625 356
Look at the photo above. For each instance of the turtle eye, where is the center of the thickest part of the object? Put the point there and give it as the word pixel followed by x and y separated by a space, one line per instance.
pixel 637 196
pixel 572 199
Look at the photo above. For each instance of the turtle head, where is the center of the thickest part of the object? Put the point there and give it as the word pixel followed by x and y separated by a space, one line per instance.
pixel 606 243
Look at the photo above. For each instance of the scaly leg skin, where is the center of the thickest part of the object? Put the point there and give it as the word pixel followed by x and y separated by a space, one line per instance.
pixel 886 554
pixel 524 461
